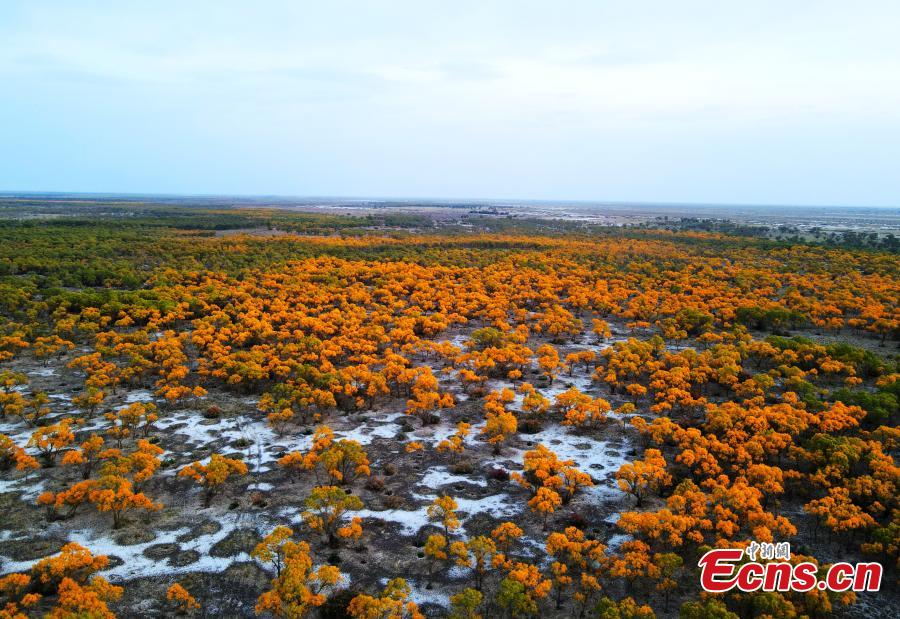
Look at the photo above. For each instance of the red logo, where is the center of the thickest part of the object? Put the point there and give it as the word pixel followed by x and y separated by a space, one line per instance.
pixel 722 570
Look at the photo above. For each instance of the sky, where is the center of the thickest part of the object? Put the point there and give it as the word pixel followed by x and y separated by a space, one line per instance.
pixel 654 101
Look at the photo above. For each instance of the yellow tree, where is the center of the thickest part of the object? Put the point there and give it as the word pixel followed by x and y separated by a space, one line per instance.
pixel 11 454
pixel 50 440
pixel 601 329
pixel 85 456
pixel 465 604
pixel 181 600
pixel 435 551
pixel 393 603
pixel 344 461
pixel 88 600
pixel 578 562
pixel 500 424
pixel 325 507
pixel 504 535
pixel 89 401
pixel 297 461
pixel 273 547
pixel 642 476
pixel 116 495
pixel 545 501
pixel 212 477
pixel 298 588
pixel 443 511
pixel 548 361
pixel 478 554
pixel 456 443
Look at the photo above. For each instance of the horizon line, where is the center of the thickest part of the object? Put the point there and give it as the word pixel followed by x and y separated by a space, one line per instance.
pixel 433 200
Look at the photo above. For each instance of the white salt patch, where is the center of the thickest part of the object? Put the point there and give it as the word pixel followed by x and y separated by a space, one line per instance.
pixel 437 595
pixel 30 488
pixel 497 505
pixel 440 476
pixel 380 426
pixel 437 433
pixel 16 429
pixel 137 564
pixel 410 521
pixel 263 443
pixel 589 454
pixel 615 541
pixel 139 395
pixel 580 380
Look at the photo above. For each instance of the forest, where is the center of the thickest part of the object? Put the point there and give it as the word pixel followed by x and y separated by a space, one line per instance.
pixel 262 412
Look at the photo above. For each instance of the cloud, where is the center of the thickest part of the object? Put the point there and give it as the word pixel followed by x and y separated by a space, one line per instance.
pixel 587 99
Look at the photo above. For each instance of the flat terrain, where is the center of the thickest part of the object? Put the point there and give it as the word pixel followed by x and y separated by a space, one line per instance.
pixel 516 416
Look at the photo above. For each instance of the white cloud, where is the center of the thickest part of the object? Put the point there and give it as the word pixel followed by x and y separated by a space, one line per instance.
pixel 483 90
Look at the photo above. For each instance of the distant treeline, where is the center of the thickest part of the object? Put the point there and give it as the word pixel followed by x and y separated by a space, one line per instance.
pixel 852 239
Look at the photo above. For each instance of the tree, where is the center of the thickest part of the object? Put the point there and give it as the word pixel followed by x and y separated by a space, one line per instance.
pixel 623 609
pixel 578 562
pixel 273 547
pixel 344 461
pixel 12 454
pixel 600 329
pixel 464 605
pixel 533 403
pixel 443 511
pixel 352 531
pixel 126 422
pixel 67 501
pixel 391 604
pixel 90 600
pixel 180 600
pixel 89 401
pixel 425 394
pixel 298 588
pixel 213 476
pixel 707 609
pixel 456 443
pixel 542 468
pixel 325 507
pixel 296 461
pixel 478 554
pixel 85 456
pixel 50 345
pixel 116 495
pixel 9 380
pixel 581 410
pixel 522 588
pixel 545 501
pixel 74 562
pixel 504 535
pixel 642 476
pixel 838 512
pixel 669 566
pixel 632 562
pixel 500 424
pixel 36 408
pixel 14 593
pixel 435 551
pixel 50 440
pixel 514 599
pixel 548 361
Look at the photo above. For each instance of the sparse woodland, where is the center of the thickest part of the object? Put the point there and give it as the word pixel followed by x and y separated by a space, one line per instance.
pixel 392 419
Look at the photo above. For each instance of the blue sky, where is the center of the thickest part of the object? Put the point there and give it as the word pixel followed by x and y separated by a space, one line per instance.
pixel 745 102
